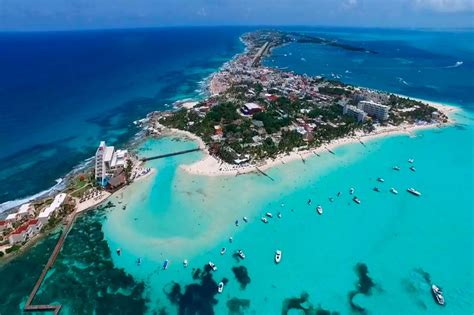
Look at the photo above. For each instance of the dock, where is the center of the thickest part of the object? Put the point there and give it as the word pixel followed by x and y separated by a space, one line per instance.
pixel 169 154
pixel 263 173
pixel 29 307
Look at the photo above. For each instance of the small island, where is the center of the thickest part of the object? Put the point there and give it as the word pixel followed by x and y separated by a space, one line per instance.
pixel 256 114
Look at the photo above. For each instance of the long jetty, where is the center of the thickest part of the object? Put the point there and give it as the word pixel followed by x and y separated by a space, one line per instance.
pixel 29 307
pixel 169 154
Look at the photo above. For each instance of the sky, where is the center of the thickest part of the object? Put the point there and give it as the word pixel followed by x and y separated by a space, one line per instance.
pixel 38 15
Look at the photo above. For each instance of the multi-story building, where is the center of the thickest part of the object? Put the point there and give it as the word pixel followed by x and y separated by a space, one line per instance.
pixel 47 213
pixel 108 162
pixel 355 112
pixel 376 110
pixel 27 230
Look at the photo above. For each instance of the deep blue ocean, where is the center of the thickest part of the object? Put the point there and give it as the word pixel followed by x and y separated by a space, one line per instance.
pixel 63 92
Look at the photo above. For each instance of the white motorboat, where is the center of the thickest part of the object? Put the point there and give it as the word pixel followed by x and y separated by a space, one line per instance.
pixel 220 287
pixel 319 209
pixel 241 254
pixel 396 168
pixel 279 215
pixel 351 191
pixel 185 263
pixel 356 200
pixel 166 264
pixel 380 179
pixel 437 294
pixel 393 191
pixel 245 219
pixel 412 168
pixel 269 214
pixel 264 220
pixel 413 191
pixel 223 250
pixel 277 256
pixel 411 160
pixel 213 266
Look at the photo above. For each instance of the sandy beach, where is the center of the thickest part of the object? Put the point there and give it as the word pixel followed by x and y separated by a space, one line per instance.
pixel 211 166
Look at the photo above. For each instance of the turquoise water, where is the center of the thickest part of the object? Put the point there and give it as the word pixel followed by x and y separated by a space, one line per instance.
pixel 400 238
pixel 404 242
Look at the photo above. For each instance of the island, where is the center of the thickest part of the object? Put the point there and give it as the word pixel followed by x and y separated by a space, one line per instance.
pixel 256 115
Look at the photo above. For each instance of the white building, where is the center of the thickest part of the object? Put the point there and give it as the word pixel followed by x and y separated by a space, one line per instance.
pixel 108 161
pixel 353 111
pixel 12 217
pixel 21 234
pixel 47 213
pixel 377 110
pixel 26 210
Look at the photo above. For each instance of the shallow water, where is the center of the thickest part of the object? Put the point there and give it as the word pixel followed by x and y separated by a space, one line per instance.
pixel 399 238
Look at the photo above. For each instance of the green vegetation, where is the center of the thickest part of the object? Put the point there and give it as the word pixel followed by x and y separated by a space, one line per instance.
pixel 12 249
pixel 1 254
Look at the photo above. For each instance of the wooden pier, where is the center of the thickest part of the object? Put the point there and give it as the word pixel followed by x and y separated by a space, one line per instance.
pixel 52 259
pixel 169 154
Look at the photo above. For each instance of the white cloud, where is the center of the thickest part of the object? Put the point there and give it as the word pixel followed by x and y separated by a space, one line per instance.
pixel 349 4
pixel 447 6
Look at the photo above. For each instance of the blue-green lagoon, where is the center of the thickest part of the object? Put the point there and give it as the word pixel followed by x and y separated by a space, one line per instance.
pixel 405 242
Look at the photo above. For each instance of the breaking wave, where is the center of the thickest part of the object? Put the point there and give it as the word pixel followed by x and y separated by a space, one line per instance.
pixel 457 64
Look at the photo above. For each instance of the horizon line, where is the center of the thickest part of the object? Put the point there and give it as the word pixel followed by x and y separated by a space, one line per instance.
pixel 414 28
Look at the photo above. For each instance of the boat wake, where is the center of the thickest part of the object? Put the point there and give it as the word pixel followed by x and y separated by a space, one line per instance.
pixel 402 81
pixel 457 64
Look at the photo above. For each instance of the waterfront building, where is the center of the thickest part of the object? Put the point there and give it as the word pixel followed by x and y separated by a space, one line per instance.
pixel 47 213
pixel 12 217
pixel 376 110
pixel 27 230
pixel 108 162
pixel 355 112
pixel 26 210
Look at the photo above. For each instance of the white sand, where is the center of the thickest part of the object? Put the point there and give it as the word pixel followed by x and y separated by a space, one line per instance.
pixel 210 166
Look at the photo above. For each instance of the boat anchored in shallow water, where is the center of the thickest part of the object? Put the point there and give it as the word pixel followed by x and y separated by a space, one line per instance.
pixel 437 294
pixel 264 220
pixel 220 287
pixel 356 200
pixel 380 179
pixel 376 189
pixel 269 214
pixel 277 256
pixel 165 264
pixel 185 263
pixel 413 191
pixel 279 215
pixel 241 254
pixel 351 191
pixel 393 191
pixel 223 250
pixel 412 168
pixel 213 266
pixel 411 160
pixel 245 219
pixel 319 209
pixel 396 168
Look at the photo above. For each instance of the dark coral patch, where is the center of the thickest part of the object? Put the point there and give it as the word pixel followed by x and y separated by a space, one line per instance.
pixel 198 298
pixel 237 306
pixel 241 274
pixel 296 303
pixel 364 286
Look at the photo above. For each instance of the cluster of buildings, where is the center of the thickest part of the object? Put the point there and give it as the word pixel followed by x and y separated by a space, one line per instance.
pixel 24 223
pixel 109 165
pixel 365 109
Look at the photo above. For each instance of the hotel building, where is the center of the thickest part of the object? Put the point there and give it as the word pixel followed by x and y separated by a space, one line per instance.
pixel 355 112
pixel 376 110
pixel 107 162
